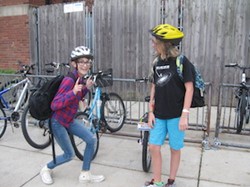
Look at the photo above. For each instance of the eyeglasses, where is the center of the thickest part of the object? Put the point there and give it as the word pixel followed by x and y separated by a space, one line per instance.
pixel 84 62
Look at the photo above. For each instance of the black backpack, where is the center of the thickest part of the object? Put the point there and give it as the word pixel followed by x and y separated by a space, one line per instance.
pixel 40 100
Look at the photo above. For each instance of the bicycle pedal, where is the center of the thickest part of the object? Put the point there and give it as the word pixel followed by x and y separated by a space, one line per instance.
pixel 103 126
pixel 103 129
pixel 16 125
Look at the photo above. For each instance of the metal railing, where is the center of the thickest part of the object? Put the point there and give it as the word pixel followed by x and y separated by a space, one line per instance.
pixel 226 119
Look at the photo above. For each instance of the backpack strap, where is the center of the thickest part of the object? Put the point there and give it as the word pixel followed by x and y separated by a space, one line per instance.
pixel 52 141
pixel 179 65
pixel 71 75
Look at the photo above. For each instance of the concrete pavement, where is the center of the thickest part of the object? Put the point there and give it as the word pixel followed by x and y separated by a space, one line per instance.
pixel 119 159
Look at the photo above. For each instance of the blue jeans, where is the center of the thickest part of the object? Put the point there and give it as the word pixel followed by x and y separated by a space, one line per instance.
pixel 61 135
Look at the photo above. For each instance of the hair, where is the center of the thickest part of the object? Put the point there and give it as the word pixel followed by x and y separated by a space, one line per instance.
pixel 169 49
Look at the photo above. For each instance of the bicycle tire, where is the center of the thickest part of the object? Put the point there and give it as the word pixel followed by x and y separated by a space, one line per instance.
pixel 114 112
pixel 247 110
pixel 3 122
pixel 78 143
pixel 146 157
pixel 13 95
pixel 241 113
pixel 86 102
pixel 36 132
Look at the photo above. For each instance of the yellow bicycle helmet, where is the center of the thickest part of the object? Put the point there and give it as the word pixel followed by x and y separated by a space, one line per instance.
pixel 166 32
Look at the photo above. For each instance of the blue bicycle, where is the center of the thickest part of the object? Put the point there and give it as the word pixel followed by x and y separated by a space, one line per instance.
pixel 106 112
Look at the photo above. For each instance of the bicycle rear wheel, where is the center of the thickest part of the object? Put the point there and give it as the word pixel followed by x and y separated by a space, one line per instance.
pixel 36 132
pixel 114 112
pixel 146 157
pixel 78 144
pixel 248 110
pixel 3 122
pixel 241 113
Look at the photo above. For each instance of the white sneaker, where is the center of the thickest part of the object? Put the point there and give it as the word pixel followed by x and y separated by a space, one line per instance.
pixel 86 176
pixel 45 174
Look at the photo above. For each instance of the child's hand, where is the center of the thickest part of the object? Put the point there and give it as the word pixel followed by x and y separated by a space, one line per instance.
pixel 183 123
pixel 89 82
pixel 151 119
pixel 78 87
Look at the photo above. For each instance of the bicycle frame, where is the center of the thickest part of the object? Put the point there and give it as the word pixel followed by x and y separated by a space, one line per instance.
pixel 25 81
pixel 95 107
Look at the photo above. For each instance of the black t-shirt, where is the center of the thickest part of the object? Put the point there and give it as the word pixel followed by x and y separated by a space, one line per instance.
pixel 169 87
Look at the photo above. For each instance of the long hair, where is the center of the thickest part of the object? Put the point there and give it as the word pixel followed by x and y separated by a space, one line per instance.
pixel 170 51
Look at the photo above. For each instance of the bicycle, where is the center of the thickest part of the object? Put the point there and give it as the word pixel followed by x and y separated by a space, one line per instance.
pixel 242 93
pixel 13 95
pixel 144 134
pixel 106 112
pixel 19 90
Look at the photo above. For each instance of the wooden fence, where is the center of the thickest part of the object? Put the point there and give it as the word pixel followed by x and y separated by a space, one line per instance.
pixel 216 33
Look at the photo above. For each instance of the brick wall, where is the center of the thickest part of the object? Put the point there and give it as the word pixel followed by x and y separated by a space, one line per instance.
pixel 14 30
pixel 14 41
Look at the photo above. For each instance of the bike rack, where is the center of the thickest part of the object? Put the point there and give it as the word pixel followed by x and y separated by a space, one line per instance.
pixel 226 118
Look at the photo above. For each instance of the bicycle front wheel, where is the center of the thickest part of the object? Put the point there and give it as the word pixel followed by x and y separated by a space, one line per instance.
pixel 36 132
pixel 146 157
pixel 114 112
pixel 78 144
pixel 241 113
pixel 3 122
pixel 248 110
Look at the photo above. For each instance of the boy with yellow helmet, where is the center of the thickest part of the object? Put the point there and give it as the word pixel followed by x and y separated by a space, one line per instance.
pixel 170 101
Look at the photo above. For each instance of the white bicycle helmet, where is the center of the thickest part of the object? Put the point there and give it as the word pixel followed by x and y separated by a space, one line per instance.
pixel 81 51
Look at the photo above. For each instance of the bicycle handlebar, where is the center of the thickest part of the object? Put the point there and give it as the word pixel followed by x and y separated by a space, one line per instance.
pixel 144 79
pixel 94 75
pixel 237 66
pixel 56 65
pixel 24 68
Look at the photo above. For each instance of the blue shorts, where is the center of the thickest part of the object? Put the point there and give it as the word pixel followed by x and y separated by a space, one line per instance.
pixel 167 126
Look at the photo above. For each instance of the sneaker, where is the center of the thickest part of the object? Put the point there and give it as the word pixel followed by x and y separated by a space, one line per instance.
pixel 86 176
pixel 152 184
pixel 45 174
pixel 171 183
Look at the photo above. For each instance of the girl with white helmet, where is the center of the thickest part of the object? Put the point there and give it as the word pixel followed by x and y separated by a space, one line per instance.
pixel 64 106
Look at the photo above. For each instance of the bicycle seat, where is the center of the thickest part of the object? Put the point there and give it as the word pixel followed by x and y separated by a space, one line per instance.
pixel 49 70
